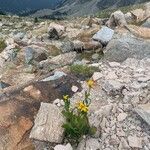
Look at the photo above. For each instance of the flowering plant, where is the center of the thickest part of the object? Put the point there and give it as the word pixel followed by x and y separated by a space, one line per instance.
pixel 77 123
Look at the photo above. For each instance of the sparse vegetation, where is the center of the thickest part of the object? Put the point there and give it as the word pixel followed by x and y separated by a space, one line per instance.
pixel 83 71
pixel 77 123
pixel 2 45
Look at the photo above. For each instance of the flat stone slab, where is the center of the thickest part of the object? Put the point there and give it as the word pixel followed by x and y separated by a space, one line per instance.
pixel 48 124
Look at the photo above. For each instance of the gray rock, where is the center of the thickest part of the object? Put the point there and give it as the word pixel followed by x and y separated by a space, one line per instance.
pixel 146 23
pixel 35 53
pixel 104 35
pixel 144 112
pixel 29 55
pixel 19 36
pixel 59 61
pixel 113 87
pixel 57 75
pixel 53 34
pixel 81 145
pixel 92 144
pixel 48 124
pixel 3 85
pixel 67 46
pixel 124 46
pixel 78 45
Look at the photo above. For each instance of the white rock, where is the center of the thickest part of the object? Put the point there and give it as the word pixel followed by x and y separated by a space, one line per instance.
pixel 74 88
pixel 122 116
pixel 56 101
pixel 135 142
pixel 62 147
pixel 114 64
pixel 97 75
pixel 104 35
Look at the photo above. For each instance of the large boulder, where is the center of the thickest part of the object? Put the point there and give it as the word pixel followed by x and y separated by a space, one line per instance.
pixel 55 31
pixel 34 53
pixel 48 124
pixel 125 45
pixel 116 19
pixel 59 61
pixel 104 35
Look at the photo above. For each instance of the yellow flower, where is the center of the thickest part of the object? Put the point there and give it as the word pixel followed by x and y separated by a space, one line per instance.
pixel 90 83
pixel 81 106
pixel 66 97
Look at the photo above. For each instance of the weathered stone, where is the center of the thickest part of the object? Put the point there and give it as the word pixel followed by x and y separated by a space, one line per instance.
pixel 78 45
pixel 144 112
pixel 122 116
pixel 67 46
pixel 116 19
pixel 53 34
pixel 57 75
pixel 3 85
pixel 146 23
pixel 97 75
pixel 135 142
pixel 55 31
pixel 48 124
pixel 34 53
pixel 92 45
pixel 92 144
pixel 139 31
pixel 81 145
pixel 113 87
pixel 138 14
pixel 114 64
pixel 124 46
pixel 129 18
pixel 123 144
pixel 104 35
pixel 62 147
pixel 59 61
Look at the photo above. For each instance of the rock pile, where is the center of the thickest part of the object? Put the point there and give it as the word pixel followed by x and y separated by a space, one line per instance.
pixel 35 60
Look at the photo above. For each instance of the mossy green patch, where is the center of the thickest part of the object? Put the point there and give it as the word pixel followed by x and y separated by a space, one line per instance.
pixel 2 45
pixel 83 71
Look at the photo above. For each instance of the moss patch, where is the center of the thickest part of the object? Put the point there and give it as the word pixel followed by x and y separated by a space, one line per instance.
pixel 83 71
pixel 2 45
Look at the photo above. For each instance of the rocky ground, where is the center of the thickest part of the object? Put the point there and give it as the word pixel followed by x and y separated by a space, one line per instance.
pixel 36 57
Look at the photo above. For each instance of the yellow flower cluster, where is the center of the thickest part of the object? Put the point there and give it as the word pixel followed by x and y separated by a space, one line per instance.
pixel 90 83
pixel 66 97
pixel 81 106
